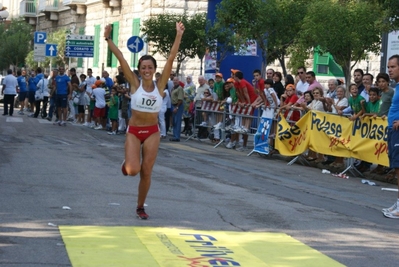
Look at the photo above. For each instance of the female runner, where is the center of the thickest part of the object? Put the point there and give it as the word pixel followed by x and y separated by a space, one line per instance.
pixel 146 101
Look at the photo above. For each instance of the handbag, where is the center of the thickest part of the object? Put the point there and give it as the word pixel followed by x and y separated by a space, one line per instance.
pixel 76 99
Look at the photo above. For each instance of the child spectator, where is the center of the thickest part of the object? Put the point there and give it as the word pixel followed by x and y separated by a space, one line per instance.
pixel 373 106
pixel 99 107
pixel 287 100
pixel 113 111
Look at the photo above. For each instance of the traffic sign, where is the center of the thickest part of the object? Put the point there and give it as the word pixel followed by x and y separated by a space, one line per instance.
pixel 135 44
pixel 40 37
pixel 79 45
pixel 51 50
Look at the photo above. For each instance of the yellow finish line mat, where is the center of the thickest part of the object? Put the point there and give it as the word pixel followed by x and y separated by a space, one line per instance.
pixel 168 247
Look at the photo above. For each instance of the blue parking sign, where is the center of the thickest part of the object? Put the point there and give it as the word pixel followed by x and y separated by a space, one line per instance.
pixel 40 37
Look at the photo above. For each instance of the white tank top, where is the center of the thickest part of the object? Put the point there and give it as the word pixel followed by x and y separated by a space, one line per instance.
pixel 146 101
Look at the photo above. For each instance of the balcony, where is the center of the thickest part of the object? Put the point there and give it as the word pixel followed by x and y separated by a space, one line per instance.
pixel 78 5
pixel 49 5
pixel 50 8
pixel 74 2
pixel 27 8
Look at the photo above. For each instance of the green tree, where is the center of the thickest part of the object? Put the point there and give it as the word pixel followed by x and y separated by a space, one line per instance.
pixel 15 43
pixel 274 24
pixel 222 41
pixel 346 29
pixel 160 32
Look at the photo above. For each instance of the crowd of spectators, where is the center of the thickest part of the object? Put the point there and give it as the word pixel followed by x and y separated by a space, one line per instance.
pixel 102 103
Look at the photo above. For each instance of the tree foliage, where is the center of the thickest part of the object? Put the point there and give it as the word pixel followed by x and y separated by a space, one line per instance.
pixel 160 32
pixel 58 37
pixel 274 24
pixel 15 43
pixel 221 40
pixel 343 28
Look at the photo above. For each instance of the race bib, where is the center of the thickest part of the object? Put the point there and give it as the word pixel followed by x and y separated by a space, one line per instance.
pixel 147 102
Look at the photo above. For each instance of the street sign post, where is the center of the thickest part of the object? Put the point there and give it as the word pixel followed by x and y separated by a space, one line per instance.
pixel 39 46
pixel 51 50
pixel 80 46
pixel 135 44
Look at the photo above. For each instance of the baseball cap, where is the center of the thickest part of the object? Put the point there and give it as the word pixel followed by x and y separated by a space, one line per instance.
pixel 230 80
pixel 290 86
pixel 219 74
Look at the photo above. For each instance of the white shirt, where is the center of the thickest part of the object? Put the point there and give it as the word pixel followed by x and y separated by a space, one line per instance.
pixel 11 83
pixel 89 82
pixel 166 102
pixel 43 85
pixel 302 86
pixel 339 103
pixel 200 91
pixel 99 96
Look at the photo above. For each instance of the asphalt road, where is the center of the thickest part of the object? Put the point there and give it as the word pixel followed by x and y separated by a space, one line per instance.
pixel 44 167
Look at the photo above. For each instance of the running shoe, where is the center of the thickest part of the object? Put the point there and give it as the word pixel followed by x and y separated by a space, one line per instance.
pixel 141 213
pixel 390 209
pixel 393 214
pixel 112 133
pixel 98 127
pixel 21 113
pixel 230 145
pixel 63 123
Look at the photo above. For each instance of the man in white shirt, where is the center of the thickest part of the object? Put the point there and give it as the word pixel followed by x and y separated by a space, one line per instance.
pixel 90 80
pixel 302 85
pixel 201 88
pixel 10 85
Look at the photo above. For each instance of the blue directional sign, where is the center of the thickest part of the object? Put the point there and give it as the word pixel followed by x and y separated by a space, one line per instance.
pixel 51 50
pixel 135 44
pixel 40 37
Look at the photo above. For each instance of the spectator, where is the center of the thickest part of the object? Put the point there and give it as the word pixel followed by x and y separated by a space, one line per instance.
pixel 42 86
pixel 332 88
pixel 269 74
pixel 287 101
pixel 113 111
pixel 393 132
pixel 302 85
pixel 207 100
pixel 358 79
pixel 201 88
pixel 9 90
pixel 52 95
pixel 278 86
pixel 166 104
pixel 22 91
pixel 189 94
pixel 177 104
pixel 99 107
pixel 63 93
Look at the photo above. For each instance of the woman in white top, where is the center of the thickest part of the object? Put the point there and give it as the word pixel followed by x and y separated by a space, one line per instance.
pixel 143 131
pixel 42 91
pixel 164 108
pixel 319 103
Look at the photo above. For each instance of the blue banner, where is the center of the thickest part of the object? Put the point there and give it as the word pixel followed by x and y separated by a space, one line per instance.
pixel 261 139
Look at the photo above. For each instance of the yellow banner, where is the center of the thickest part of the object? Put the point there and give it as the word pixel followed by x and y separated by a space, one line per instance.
pixel 293 140
pixel 330 134
pixel 96 246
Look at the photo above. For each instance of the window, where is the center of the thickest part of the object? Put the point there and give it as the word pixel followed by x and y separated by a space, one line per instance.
pixel 112 61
